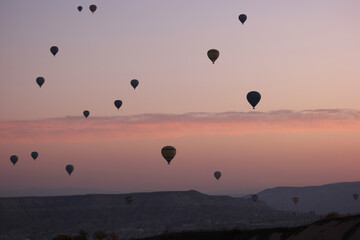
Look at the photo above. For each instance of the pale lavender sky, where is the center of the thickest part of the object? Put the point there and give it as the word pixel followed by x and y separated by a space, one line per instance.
pixel 299 55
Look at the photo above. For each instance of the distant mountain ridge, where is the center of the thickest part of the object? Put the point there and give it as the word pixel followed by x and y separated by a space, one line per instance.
pixel 149 214
pixel 323 199
pixel 155 212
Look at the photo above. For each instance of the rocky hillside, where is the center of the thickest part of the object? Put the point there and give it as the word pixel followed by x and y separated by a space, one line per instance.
pixel 149 214
pixel 343 228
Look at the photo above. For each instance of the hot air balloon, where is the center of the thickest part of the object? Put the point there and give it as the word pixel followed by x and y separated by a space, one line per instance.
pixel 217 175
pixel 34 155
pixel 295 200
pixel 213 54
pixel 255 197
pixel 86 113
pixel 40 81
pixel 79 8
pixel 168 152
pixel 118 103
pixel 93 8
pixel 54 50
pixel 129 199
pixel 69 168
pixel 355 196
pixel 242 18
pixel 14 159
pixel 134 83
pixel 253 98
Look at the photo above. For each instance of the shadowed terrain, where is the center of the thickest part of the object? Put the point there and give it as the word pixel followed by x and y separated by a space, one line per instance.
pixel 343 228
pixel 149 214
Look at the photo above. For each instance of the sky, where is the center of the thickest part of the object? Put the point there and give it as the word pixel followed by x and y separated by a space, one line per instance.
pixel 302 57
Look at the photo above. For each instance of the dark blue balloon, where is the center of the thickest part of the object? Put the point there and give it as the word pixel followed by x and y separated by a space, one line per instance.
pixel 40 81
pixel 86 113
pixel 134 83
pixel 118 104
pixel 253 98
pixel 69 168
pixel 14 159
pixel 79 8
pixel 34 155
pixel 92 8
pixel 242 18
pixel 54 50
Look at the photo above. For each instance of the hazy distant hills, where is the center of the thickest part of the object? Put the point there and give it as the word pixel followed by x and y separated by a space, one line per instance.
pixel 321 199
pixel 149 214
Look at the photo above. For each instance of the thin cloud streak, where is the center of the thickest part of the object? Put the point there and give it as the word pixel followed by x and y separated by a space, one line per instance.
pixel 158 126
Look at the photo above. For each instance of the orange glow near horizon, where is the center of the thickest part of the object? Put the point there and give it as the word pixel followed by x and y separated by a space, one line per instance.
pixel 118 154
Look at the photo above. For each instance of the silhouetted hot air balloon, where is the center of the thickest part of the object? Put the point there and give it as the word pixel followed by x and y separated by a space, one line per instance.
pixel 129 199
pixel 34 155
pixel 253 98
pixel 168 152
pixel 69 168
pixel 295 200
pixel 86 113
pixel 118 103
pixel 93 8
pixel 134 83
pixel 242 18
pixel 40 81
pixel 255 197
pixel 79 8
pixel 14 159
pixel 54 50
pixel 355 196
pixel 213 54
pixel 217 175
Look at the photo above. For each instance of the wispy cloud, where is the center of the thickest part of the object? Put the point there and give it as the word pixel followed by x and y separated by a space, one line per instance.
pixel 155 126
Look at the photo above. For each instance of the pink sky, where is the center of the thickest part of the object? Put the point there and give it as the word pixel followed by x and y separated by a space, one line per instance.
pixel 253 150
pixel 300 56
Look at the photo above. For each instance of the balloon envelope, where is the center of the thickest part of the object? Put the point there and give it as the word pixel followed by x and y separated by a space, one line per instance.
pixel 86 113
pixel 168 152
pixel 93 8
pixel 118 103
pixel 217 175
pixel 134 83
pixel 129 199
pixel 40 81
pixel 14 159
pixel 69 168
pixel 254 197
pixel 355 196
pixel 213 54
pixel 242 18
pixel 295 200
pixel 79 8
pixel 54 50
pixel 34 155
pixel 253 98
